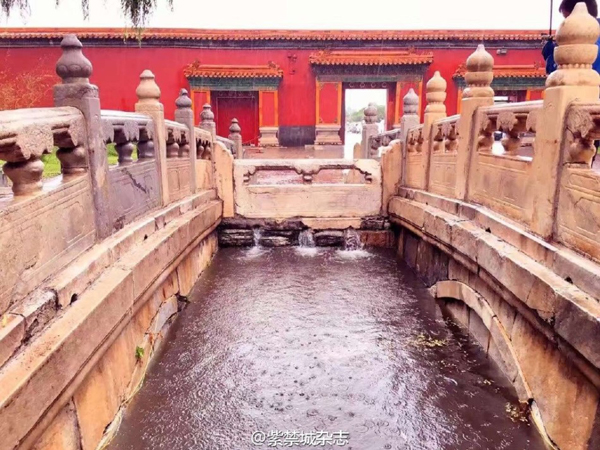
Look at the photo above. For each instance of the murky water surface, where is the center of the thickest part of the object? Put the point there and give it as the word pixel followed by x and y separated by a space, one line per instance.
pixel 319 340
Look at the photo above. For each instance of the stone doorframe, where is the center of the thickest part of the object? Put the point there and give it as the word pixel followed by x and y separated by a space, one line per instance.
pixel 406 72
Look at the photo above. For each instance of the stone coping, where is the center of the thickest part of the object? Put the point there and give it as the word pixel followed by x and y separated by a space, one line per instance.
pixel 566 263
pixel 561 311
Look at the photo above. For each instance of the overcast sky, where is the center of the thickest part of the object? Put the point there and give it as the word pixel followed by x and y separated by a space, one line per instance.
pixel 302 14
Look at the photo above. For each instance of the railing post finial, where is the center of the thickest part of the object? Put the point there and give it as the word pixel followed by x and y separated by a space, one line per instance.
pixel 207 120
pixel 411 103
pixel 183 101
pixel 73 66
pixel 370 113
pixel 235 134
pixel 480 74
pixel 207 116
pixel 576 50
pixel 148 91
pixel 436 94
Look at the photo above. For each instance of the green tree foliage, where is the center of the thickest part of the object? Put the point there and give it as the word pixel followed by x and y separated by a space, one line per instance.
pixel 135 11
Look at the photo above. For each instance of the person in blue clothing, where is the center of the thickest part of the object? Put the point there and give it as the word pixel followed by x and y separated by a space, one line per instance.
pixel 566 8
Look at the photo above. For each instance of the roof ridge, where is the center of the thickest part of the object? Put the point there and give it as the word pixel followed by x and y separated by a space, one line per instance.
pixel 270 34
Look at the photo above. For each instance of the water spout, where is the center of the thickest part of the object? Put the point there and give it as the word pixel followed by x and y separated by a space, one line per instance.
pixel 257 234
pixel 352 240
pixel 306 238
pixel 306 243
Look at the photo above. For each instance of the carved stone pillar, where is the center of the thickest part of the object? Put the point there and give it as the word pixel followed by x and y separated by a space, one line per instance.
pixel 574 79
pixel 235 134
pixel 184 114
pixel 478 93
pixel 207 121
pixel 435 110
pixel 76 90
pixel 148 94
pixel 370 128
pixel 410 118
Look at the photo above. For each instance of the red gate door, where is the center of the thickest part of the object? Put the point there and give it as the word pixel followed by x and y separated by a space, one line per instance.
pixel 243 105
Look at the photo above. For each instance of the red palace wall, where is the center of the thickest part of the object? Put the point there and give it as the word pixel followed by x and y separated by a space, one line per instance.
pixel 117 69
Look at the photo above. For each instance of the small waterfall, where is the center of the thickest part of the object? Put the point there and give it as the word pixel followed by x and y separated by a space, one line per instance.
pixel 306 239
pixel 352 240
pixel 306 243
pixel 257 234
pixel 256 250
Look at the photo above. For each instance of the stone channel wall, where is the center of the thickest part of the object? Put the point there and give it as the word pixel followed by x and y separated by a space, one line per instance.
pixel 508 238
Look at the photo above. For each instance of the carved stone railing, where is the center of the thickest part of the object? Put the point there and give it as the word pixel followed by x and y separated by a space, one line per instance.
pixel 178 160
pixel 178 143
pixel 203 144
pixel 27 134
pixel 413 168
pixel 134 185
pixel 42 226
pixel 444 141
pixel 382 140
pixel 578 211
pixel 126 130
pixel 513 119
pixel 501 180
pixel 228 143
pixel 204 158
pixel 307 188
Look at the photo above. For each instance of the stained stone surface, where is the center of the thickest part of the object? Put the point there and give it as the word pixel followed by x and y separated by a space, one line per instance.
pixel 267 345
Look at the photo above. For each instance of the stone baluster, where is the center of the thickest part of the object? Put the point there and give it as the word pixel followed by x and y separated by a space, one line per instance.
pixel 76 90
pixel 575 79
pixel 172 146
pixel 410 114
pixel 435 110
pixel 207 121
pixel 185 115
pixel 184 148
pixel 26 176
pixel 124 148
pixel 148 94
pixel 235 134
pixel 478 93
pixel 370 128
pixel 145 146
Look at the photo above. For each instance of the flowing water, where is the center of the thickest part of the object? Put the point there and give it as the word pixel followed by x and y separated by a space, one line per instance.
pixel 292 344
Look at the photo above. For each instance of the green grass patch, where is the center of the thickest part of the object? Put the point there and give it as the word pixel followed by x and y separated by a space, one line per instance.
pixel 52 163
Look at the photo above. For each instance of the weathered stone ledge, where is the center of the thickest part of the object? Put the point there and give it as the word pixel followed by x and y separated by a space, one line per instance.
pixel 577 269
pixel 41 379
pixel 539 327
pixel 570 312
pixel 29 317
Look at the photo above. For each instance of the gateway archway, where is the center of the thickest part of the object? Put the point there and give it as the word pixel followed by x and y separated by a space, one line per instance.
pixel 396 72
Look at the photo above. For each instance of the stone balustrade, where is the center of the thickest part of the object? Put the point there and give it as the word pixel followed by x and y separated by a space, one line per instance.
pixel 129 131
pixel 317 188
pixel 382 140
pixel 90 200
pixel 27 134
pixel 227 143
pixel 507 233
